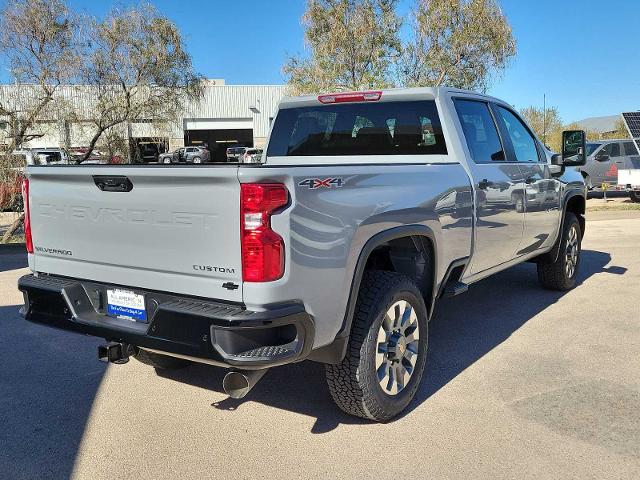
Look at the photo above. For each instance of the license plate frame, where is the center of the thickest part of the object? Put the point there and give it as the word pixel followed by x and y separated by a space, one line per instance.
pixel 126 304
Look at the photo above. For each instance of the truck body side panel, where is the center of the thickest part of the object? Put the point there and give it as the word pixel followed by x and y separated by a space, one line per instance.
pixel 326 228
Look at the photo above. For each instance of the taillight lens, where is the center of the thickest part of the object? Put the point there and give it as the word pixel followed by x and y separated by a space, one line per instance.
pixel 27 215
pixel 262 248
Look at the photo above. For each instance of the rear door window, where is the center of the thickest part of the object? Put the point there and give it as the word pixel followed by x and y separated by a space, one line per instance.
pixel 480 131
pixel 612 149
pixel 630 148
pixel 385 128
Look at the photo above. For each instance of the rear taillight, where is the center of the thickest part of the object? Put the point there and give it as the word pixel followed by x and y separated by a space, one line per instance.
pixel 350 97
pixel 262 248
pixel 27 215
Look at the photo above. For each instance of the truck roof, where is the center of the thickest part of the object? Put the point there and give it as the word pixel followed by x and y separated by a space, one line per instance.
pixel 387 94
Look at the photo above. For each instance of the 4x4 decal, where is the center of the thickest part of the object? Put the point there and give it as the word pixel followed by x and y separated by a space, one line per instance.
pixel 314 183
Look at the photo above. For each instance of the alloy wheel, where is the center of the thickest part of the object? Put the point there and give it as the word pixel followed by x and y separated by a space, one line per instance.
pixel 397 347
pixel 571 253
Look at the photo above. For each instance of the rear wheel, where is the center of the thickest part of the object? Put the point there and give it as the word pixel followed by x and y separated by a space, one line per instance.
pixel 634 195
pixel 161 362
pixel 387 350
pixel 561 274
pixel 197 160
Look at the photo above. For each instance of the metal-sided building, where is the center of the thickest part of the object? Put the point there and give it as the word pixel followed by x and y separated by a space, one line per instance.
pixel 225 116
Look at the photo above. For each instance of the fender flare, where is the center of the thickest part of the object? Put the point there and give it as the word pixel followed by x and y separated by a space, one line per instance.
pixel 335 351
pixel 552 255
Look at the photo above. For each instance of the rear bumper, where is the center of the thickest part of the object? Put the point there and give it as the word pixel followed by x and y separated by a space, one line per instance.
pixel 202 330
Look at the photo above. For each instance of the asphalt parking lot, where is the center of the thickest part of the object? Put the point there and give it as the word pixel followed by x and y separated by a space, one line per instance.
pixel 521 383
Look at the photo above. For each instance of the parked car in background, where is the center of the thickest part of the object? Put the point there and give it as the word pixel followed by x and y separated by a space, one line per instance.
pixel 97 157
pixel 234 153
pixel 186 155
pixel 251 155
pixel 44 156
pixel 605 158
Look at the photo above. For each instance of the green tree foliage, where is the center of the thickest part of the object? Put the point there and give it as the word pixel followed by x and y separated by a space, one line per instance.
pixel 458 43
pixel 352 45
pixel 547 125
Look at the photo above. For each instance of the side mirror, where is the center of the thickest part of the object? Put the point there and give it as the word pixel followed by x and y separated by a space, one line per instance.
pixel 574 148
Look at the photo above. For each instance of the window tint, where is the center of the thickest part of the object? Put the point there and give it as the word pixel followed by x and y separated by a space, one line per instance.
pixel 612 149
pixel 630 148
pixel 385 128
pixel 524 145
pixel 591 147
pixel 480 131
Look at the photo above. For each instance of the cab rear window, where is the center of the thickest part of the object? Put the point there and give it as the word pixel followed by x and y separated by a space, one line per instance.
pixel 385 128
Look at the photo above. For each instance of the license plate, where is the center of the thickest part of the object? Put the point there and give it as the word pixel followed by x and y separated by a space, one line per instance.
pixel 126 304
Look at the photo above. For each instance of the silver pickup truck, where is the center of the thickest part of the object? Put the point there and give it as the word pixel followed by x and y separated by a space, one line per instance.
pixel 367 207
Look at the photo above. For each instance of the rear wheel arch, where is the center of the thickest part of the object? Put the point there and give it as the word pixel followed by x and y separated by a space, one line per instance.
pixel 373 257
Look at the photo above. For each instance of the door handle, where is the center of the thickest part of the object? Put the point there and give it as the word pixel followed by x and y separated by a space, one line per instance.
pixel 484 184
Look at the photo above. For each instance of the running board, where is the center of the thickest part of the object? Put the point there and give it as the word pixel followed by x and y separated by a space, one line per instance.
pixel 454 288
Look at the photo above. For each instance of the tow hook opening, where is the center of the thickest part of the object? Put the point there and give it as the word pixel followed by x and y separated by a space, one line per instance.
pixel 115 352
pixel 237 384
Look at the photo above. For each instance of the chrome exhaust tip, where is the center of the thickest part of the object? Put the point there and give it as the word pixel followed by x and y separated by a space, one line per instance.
pixel 237 384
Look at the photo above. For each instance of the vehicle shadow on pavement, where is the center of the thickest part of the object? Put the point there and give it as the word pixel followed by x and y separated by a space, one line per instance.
pixel 465 328
pixel 12 258
pixel 462 331
pixel 48 382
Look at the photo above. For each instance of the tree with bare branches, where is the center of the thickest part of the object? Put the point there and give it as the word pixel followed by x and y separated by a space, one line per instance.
pixel 137 69
pixel 40 46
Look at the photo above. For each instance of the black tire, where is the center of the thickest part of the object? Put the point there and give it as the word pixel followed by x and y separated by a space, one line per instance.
pixel 558 275
pixel 354 383
pixel 634 195
pixel 161 362
pixel 196 160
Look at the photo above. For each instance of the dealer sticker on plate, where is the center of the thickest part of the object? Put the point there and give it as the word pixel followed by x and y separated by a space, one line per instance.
pixel 126 304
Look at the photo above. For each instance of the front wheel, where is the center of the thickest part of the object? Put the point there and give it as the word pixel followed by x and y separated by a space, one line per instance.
pixel 387 350
pixel 561 274
pixel 197 160
pixel 634 195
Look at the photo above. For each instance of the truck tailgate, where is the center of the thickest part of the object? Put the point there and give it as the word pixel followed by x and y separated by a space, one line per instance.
pixel 177 229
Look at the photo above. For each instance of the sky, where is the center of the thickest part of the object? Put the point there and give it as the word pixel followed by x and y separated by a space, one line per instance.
pixel 581 54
